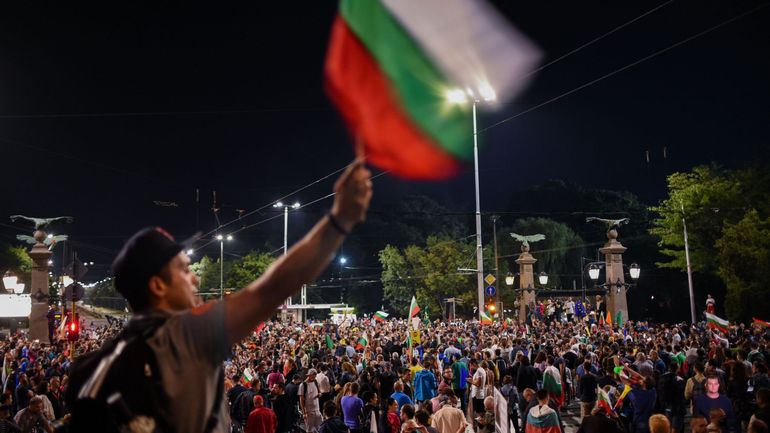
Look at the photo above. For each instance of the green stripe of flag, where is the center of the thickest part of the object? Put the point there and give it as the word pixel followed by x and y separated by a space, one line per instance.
pixel 420 87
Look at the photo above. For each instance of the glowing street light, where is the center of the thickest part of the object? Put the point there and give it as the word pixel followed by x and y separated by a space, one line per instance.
pixel 634 270
pixel 221 240
pixel 295 206
pixel 509 279
pixel 458 96
pixel 190 251
pixel 593 272
pixel 543 278
pixel 343 260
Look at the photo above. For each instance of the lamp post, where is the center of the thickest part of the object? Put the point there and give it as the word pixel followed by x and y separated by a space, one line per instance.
pixel 543 279
pixel 221 240
pixel 634 271
pixel 285 207
pixel 458 96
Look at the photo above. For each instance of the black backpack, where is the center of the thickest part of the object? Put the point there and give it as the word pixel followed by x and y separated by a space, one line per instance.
pixel 121 383
pixel 243 405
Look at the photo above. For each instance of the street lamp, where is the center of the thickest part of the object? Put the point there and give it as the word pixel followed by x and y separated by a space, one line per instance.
pixel 286 207
pixel 460 96
pixel 634 270
pixel 221 240
pixel 593 272
pixel 509 279
pixel 343 260
pixel 543 279
pixel 9 280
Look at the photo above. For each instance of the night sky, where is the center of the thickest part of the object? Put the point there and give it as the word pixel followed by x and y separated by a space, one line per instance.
pixel 105 109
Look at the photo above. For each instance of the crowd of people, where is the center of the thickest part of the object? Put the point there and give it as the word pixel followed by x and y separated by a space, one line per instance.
pixel 363 375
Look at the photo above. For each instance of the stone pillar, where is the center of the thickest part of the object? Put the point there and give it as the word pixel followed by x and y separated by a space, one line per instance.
pixel 38 321
pixel 615 276
pixel 526 281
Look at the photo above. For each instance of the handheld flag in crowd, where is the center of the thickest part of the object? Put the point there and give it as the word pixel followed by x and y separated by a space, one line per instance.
pixel 716 322
pixel 761 322
pixel 381 316
pixel 484 318
pixel 626 390
pixel 580 309
pixel 413 308
pixel 393 71
pixel 603 400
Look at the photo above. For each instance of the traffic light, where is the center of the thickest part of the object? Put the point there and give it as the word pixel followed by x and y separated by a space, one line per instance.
pixel 73 331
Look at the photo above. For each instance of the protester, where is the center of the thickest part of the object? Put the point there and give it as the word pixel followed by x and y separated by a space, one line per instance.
pixel 261 419
pixel 703 404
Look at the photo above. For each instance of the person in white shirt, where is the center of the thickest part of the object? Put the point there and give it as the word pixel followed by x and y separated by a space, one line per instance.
pixel 478 384
pixel 569 308
pixel 324 386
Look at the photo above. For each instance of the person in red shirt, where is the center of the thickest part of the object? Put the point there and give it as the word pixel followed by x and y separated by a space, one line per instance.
pixel 261 419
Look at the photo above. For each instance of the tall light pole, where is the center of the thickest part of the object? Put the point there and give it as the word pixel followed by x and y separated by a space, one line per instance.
pixel 458 96
pixel 689 268
pixel 221 240
pixel 286 207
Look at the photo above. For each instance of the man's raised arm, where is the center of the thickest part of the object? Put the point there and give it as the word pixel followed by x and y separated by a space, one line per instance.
pixel 305 260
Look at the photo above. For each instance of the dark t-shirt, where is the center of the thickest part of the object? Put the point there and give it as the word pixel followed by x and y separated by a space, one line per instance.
pixel 588 388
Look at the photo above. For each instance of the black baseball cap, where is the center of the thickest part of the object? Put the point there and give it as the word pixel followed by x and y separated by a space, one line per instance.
pixel 143 256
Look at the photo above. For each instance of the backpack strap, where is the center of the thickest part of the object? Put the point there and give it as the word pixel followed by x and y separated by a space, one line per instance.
pixel 213 420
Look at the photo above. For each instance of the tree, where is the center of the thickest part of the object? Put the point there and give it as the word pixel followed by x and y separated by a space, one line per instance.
pixel 247 269
pixel 429 273
pixel 708 197
pixel 744 265
pixel 208 274
pixel 16 260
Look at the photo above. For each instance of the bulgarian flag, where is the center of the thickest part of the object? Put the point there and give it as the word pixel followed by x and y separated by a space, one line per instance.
pixel 362 342
pixel 484 318
pixel 761 322
pixel 392 67
pixel 381 316
pixel 603 400
pixel 247 377
pixel 413 307
pixel 716 322
pixel 552 384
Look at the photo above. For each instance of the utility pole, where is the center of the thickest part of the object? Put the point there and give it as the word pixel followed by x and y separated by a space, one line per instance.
pixel 689 268
pixel 494 241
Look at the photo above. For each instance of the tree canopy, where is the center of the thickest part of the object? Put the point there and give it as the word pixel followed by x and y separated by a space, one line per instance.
pixel 726 213
pixel 430 273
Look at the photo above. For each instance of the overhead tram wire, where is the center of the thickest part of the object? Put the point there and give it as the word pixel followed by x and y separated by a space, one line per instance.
pixel 247 214
pixel 282 198
pixel 628 66
pixel 592 41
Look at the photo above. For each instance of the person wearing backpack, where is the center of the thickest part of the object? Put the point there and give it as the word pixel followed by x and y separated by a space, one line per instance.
pixel 174 379
pixel 242 407
pixel 309 395
pixel 696 385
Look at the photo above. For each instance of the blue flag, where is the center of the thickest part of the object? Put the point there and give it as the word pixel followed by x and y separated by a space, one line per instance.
pixel 580 309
